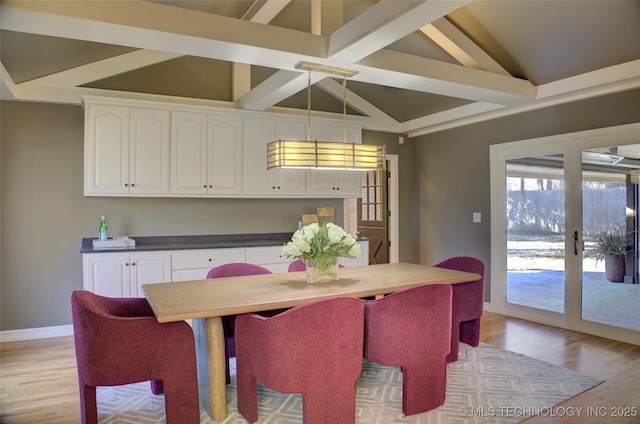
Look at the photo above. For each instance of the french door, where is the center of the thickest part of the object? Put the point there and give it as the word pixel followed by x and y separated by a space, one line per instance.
pixel 552 199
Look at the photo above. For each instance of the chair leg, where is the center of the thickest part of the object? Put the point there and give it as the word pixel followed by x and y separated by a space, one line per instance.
pixel 88 404
pixel 470 332
pixel 423 387
pixel 455 342
pixel 336 405
pixel 247 398
pixel 157 387
pixel 181 401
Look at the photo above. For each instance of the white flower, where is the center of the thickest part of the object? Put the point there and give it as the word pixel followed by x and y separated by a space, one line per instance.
pixel 335 233
pixel 314 241
pixel 355 250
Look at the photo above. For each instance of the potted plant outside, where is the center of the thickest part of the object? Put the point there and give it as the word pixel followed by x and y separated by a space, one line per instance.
pixel 611 246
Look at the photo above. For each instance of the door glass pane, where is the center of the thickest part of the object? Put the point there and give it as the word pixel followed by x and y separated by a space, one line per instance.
pixel 536 232
pixel 609 226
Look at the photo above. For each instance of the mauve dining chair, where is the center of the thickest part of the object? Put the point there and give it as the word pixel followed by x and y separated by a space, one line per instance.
pixel 234 269
pixel 411 329
pixel 119 341
pixel 468 303
pixel 314 349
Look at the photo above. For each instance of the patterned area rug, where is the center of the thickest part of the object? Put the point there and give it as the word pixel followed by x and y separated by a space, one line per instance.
pixel 485 385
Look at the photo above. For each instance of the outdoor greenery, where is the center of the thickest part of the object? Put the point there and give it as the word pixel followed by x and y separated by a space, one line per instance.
pixel 612 242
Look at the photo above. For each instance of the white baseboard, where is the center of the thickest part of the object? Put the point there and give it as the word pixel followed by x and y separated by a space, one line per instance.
pixel 36 333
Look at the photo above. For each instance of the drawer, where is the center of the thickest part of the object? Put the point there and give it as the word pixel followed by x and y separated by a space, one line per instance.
pixel 194 259
pixel 266 255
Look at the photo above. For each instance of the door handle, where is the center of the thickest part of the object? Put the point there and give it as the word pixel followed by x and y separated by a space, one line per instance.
pixel 575 242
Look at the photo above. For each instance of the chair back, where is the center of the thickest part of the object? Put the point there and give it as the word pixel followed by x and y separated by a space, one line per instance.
pixel 468 298
pixel 411 329
pixel 236 269
pixel 314 349
pixel 408 324
pixel 297 265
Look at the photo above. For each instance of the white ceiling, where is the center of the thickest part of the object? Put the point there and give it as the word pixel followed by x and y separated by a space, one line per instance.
pixel 423 66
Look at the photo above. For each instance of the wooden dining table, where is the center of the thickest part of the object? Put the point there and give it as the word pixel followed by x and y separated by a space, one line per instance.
pixel 206 301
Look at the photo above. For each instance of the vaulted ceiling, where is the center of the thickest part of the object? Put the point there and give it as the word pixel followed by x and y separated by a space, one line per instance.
pixel 423 66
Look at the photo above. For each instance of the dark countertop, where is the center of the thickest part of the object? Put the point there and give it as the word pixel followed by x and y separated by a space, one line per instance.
pixel 195 242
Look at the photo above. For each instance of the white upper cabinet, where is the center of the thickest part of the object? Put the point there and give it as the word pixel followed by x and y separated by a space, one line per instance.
pixel 225 154
pixel 149 151
pixel 126 151
pixel 189 164
pixel 258 180
pixel 144 148
pixel 206 154
pixel 106 150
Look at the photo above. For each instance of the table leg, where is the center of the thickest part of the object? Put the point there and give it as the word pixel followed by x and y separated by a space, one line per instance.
pixel 211 366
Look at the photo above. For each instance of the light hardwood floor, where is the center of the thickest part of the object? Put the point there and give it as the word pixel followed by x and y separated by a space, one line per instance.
pixel 38 380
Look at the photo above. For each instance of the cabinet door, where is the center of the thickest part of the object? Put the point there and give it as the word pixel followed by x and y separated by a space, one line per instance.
pixel 290 181
pixel 225 154
pixel 106 150
pixel 149 147
pixel 258 180
pixel 107 274
pixel 147 268
pixel 189 164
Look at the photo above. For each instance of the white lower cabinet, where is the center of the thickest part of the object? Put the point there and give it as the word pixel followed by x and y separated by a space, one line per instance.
pixel 195 264
pixel 123 274
pixel 269 257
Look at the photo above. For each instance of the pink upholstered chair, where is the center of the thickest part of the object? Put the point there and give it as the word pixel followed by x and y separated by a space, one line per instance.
pixel 411 329
pixel 119 341
pixel 234 269
pixel 468 303
pixel 314 349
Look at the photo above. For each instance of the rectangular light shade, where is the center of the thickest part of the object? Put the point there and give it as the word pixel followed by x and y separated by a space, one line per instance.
pixel 296 154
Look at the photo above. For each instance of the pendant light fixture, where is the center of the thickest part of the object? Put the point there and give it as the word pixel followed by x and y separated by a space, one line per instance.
pixel 328 155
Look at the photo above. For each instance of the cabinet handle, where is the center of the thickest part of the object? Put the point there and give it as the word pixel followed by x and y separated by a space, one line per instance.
pixel 126 264
pixel 211 186
pixel 133 184
pixel 204 186
pixel 337 188
pixel 133 264
pixel 126 184
pixel 209 259
pixel 278 187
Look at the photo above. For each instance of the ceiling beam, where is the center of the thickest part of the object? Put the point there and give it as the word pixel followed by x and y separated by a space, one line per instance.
pixel 421 74
pixel 461 47
pixel 103 68
pixel 378 119
pixel 382 24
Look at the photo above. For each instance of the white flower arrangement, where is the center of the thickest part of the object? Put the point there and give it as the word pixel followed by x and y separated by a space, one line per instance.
pixel 314 242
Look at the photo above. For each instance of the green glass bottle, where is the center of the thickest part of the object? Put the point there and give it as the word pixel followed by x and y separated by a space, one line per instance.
pixel 103 229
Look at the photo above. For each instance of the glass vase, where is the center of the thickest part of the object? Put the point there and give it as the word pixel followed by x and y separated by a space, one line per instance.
pixel 322 269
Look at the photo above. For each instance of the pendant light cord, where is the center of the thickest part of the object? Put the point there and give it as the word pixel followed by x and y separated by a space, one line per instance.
pixel 309 106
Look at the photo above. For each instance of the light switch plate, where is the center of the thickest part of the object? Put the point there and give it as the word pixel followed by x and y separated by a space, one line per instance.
pixel 477 217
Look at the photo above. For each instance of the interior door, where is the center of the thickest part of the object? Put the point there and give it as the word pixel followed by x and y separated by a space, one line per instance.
pixel 373 214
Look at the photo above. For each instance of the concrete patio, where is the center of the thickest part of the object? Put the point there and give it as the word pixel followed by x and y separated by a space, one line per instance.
pixel 605 302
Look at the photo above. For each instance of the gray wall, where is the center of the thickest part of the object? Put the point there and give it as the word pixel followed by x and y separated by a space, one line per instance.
pixel 451 171
pixel 44 214
pixel 443 179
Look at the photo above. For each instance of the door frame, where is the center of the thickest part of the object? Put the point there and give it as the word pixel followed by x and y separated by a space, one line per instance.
pixel 571 146
pixel 393 207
